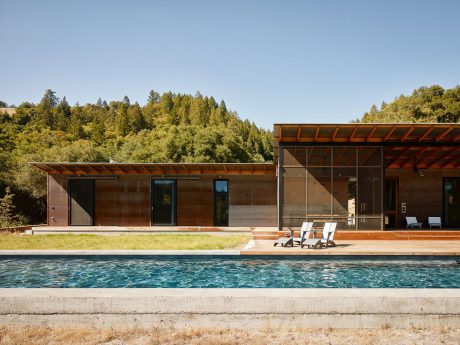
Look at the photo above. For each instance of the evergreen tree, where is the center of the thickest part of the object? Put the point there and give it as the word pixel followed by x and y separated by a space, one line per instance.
pixel 48 102
pixel 136 118
pixel 62 115
pixel 122 120
pixel 154 97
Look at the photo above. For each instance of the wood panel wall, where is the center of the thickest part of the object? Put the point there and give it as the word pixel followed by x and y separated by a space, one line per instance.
pixel 422 194
pixel 57 201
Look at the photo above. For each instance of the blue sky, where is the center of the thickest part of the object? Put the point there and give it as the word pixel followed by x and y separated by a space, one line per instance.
pixel 271 61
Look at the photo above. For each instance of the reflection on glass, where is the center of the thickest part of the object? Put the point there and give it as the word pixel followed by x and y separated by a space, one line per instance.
pixel 221 186
pixel 164 203
pixel 221 202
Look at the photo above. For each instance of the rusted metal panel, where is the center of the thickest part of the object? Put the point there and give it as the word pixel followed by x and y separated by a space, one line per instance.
pixel 195 202
pixel 123 202
pixel 252 190
pixel 57 200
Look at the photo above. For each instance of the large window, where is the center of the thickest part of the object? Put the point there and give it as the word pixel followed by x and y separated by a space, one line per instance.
pixel 325 183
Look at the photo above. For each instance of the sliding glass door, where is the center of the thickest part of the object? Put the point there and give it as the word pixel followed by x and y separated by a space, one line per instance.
pixel 163 202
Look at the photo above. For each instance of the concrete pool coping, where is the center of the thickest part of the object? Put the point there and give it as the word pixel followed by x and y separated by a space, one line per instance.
pixel 239 308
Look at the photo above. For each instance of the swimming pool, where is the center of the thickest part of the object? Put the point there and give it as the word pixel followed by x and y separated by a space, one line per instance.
pixel 212 271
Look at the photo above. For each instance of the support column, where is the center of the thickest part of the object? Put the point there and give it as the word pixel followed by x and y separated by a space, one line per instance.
pixel 280 186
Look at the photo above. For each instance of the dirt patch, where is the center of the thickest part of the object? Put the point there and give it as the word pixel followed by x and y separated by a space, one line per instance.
pixel 225 336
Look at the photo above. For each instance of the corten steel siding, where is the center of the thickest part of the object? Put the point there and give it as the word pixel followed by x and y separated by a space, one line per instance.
pixel 124 201
pixel 422 194
pixel 195 201
pixel 252 200
pixel 57 200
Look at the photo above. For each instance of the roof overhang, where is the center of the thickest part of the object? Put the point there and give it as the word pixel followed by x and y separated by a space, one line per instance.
pixel 78 168
pixel 424 145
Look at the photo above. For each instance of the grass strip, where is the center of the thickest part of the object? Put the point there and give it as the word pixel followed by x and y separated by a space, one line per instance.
pixel 128 242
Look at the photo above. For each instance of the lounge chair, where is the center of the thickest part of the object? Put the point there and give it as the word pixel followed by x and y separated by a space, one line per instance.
pixel 434 221
pixel 304 232
pixel 318 242
pixel 330 242
pixel 412 223
pixel 285 241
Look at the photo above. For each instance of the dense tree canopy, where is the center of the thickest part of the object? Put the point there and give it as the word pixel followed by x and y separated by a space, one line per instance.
pixel 426 104
pixel 169 128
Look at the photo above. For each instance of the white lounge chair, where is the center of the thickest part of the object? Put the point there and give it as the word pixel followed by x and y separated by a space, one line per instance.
pixel 318 242
pixel 330 242
pixel 434 221
pixel 305 231
pixel 412 223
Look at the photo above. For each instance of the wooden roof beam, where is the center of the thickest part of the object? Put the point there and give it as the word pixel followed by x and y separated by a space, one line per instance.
pixel 335 134
pixel 452 161
pixel 298 133
pixel 440 158
pixel 443 134
pixel 395 159
pixel 317 133
pixel 388 135
pixel 415 157
pixel 353 133
pixel 408 132
pixel 371 133
pixel 424 135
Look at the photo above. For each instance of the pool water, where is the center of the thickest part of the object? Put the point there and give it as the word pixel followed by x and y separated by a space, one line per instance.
pixel 199 271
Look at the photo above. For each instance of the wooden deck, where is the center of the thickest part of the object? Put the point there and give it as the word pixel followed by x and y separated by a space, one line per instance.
pixel 362 235
pixel 359 247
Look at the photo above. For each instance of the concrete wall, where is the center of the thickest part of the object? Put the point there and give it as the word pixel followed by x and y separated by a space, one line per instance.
pixel 239 308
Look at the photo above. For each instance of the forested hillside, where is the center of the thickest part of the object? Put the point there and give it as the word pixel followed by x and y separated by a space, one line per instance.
pixel 169 128
pixel 425 104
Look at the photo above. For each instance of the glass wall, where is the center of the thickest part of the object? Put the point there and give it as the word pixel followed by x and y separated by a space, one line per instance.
pixel 326 183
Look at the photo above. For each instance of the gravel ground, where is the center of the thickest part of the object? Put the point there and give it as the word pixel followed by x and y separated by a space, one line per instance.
pixel 222 336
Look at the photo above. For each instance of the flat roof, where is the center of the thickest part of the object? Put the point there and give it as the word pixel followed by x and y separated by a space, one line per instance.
pixel 367 133
pixel 80 168
pixel 437 143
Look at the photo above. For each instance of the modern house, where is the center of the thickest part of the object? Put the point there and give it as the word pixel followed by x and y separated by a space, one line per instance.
pixel 362 176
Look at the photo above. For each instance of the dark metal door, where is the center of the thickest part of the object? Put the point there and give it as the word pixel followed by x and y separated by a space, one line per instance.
pixel 81 202
pixel 451 201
